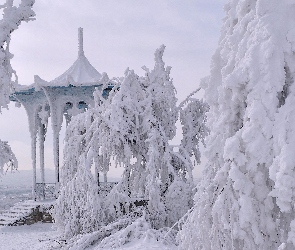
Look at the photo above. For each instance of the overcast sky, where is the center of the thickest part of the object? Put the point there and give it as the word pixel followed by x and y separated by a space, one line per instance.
pixel 117 34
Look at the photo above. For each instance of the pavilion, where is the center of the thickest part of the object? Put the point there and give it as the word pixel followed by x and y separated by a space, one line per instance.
pixel 67 95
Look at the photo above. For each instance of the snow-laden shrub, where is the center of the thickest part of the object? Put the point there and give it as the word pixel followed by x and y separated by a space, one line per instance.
pixel 78 207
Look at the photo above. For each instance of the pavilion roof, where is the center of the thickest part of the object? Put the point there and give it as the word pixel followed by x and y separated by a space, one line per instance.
pixel 81 73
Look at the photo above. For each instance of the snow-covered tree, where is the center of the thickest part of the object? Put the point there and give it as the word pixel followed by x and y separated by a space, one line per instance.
pixel 12 18
pixel 245 199
pixel 132 128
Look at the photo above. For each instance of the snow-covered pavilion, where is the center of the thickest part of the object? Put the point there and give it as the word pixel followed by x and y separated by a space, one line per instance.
pixel 67 95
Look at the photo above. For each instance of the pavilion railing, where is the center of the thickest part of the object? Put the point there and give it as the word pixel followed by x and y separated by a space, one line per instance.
pixel 45 191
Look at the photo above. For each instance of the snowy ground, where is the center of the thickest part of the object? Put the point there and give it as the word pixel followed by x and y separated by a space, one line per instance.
pixel 36 236
pixel 42 236
pixel 142 245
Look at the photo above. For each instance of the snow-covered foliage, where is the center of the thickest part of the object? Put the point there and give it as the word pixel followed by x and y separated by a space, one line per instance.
pixel 131 128
pixel 8 160
pixel 246 197
pixel 12 18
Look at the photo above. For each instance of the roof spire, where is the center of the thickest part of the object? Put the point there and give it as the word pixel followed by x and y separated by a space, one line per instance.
pixel 80 40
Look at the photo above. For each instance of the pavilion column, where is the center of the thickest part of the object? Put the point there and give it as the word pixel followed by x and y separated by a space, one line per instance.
pixel 32 103
pixel 56 158
pixel 56 110
pixel 31 112
pixel 33 155
pixel 41 149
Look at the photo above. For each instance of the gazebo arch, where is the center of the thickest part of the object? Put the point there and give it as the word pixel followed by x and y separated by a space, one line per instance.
pixel 65 96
